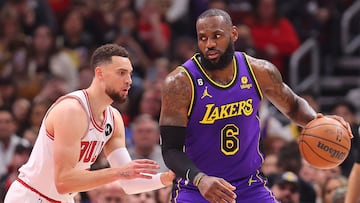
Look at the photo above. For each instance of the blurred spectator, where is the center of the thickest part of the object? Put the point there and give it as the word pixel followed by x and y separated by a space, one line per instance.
pixel 145 197
pixel 8 139
pixel 45 58
pixel 353 96
pixel 21 108
pixel 163 194
pixel 269 124
pixel 145 135
pixel 30 67
pixel 183 48
pixel 178 15
pixel 150 102
pixel 153 29
pixel 269 165
pixel 347 110
pixel 329 187
pixel 32 13
pixel 85 77
pixel 156 75
pixel 8 91
pixel 125 33
pixel 289 159
pixel 111 192
pixel 53 88
pixel 76 41
pixel 21 155
pixel 37 113
pixel 339 195
pixel 59 9
pixel 274 36
pixel 310 174
pixel 94 23
pixel 272 144
pixel 285 187
pixel 219 4
pixel 245 41
pixel 11 38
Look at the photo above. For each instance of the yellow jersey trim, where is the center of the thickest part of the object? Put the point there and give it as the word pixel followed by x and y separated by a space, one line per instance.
pixel 253 75
pixel 258 146
pixel 211 80
pixel 192 89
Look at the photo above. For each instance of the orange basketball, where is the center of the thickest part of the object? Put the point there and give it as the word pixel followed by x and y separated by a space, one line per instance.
pixel 324 143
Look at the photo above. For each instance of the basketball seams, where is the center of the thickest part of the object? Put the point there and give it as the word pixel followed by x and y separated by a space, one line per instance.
pixel 317 154
pixel 325 139
pixel 322 124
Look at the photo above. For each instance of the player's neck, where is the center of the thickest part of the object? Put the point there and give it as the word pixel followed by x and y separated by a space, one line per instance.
pixel 98 101
pixel 223 76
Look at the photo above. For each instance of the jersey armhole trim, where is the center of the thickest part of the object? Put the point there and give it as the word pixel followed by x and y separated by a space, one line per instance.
pixel 50 135
pixel 192 89
pixel 258 89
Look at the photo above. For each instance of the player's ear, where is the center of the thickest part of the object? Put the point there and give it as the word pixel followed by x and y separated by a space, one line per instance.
pixel 234 33
pixel 99 72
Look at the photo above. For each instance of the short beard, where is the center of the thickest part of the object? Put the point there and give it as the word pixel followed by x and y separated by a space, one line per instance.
pixel 224 60
pixel 115 96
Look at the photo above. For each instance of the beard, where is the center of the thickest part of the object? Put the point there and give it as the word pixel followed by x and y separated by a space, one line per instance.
pixel 224 60
pixel 115 96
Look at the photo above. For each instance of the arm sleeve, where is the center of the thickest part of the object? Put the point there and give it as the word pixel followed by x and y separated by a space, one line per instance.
pixel 172 142
pixel 120 157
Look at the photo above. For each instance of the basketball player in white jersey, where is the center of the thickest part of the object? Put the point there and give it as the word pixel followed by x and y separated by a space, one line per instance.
pixel 76 128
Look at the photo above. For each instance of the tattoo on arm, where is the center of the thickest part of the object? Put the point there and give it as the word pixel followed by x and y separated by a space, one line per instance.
pixel 176 100
pixel 284 96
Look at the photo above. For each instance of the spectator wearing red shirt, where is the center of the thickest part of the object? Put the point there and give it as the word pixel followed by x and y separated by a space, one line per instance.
pixel 153 29
pixel 274 36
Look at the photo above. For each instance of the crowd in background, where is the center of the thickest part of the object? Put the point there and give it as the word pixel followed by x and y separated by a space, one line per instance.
pixel 45 46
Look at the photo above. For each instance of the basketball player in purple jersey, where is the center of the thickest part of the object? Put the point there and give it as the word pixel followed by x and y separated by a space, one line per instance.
pixel 353 192
pixel 209 117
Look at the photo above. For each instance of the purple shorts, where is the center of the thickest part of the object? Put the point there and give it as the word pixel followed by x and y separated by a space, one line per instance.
pixel 248 190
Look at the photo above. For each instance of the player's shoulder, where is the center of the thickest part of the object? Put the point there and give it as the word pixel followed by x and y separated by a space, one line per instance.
pixel 71 105
pixel 261 66
pixel 178 76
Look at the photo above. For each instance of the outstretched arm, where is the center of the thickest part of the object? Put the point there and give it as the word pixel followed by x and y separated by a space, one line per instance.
pixel 279 94
pixel 118 156
pixel 176 98
pixel 68 122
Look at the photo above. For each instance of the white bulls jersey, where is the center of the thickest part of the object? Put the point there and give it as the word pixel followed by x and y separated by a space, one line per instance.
pixel 37 174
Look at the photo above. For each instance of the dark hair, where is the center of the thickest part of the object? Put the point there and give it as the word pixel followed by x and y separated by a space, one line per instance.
pixel 216 12
pixel 256 4
pixel 8 110
pixel 104 53
pixel 350 106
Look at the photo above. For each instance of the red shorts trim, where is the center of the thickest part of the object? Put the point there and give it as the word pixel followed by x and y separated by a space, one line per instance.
pixel 37 192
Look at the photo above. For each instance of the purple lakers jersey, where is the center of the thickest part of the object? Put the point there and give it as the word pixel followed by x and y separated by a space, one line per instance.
pixel 223 131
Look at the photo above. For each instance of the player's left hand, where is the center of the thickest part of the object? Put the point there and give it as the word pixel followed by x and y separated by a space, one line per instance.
pixel 167 177
pixel 216 190
pixel 340 119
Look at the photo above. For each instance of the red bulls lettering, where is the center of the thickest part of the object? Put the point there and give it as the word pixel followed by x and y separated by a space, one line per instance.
pixel 89 150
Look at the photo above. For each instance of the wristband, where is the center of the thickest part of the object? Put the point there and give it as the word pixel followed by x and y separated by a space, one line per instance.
pixel 198 178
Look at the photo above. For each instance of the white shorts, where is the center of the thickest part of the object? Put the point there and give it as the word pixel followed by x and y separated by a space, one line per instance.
pixel 19 193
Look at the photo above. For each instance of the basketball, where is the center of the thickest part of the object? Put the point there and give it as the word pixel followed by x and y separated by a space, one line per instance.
pixel 324 143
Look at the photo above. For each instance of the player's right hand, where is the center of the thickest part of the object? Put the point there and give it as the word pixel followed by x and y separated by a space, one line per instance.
pixel 139 168
pixel 339 119
pixel 167 177
pixel 216 190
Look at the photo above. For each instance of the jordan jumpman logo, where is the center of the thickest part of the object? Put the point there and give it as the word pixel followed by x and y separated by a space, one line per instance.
pixel 206 93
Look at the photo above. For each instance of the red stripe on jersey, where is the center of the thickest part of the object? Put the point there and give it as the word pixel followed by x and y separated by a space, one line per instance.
pixel 36 191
